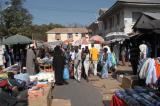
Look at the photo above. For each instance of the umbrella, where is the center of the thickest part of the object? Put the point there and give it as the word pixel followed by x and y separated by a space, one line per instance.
pixel 17 39
pixel 68 41
pixel 114 36
pixel 97 39
pixel 82 41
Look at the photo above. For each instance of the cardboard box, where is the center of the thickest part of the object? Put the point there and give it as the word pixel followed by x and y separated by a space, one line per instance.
pixel 61 102
pixel 129 81
pixel 41 97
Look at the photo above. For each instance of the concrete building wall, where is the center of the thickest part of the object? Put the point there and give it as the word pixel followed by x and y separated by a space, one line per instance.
pixel 125 19
pixel 128 12
pixel 76 36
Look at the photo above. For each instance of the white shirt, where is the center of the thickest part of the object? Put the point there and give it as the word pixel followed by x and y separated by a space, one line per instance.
pixel 143 48
pixel 72 55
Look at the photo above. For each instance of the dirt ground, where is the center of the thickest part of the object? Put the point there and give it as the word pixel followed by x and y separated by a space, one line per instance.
pixel 108 86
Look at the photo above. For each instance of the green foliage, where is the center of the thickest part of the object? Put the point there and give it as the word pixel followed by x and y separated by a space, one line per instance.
pixel 15 17
pixel 17 20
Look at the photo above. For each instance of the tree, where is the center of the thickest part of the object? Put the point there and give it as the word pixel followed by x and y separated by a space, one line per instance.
pixel 16 18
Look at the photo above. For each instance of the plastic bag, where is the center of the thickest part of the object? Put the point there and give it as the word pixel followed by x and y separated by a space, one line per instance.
pixel 66 74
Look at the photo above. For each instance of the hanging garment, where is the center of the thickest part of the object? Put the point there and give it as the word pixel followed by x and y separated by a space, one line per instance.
pixel 144 69
pixel 141 63
pixel 151 76
pixel 117 102
pixel 157 68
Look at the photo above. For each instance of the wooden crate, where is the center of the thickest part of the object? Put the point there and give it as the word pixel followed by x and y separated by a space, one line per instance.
pixel 129 81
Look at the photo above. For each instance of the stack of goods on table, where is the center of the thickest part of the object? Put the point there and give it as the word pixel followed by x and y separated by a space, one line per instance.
pixel 34 85
pixel 149 71
pixel 15 68
pixel 138 96
pixel 46 63
pixel 3 72
pixel 45 60
pixel 39 82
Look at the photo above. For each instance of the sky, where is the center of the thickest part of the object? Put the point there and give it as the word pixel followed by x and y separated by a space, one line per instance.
pixel 66 12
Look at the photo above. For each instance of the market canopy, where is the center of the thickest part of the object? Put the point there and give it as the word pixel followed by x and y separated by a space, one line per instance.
pixel 68 41
pixel 149 21
pixel 116 36
pixel 17 39
pixel 52 45
pixel 82 41
pixel 97 39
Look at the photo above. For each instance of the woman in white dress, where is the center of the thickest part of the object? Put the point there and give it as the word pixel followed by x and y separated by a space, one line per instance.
pixel 86 62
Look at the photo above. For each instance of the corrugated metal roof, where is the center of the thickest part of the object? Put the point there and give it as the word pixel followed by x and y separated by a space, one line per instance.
pixel 141 1
pixel 153 15
pixel 68 30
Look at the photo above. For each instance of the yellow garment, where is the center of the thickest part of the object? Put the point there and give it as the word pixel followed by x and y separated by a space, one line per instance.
pixel 94 54
pixel 3 76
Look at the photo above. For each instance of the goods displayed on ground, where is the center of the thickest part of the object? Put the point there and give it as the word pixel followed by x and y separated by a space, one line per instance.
pixel 142 89
pixel 38 86
pixel 138 96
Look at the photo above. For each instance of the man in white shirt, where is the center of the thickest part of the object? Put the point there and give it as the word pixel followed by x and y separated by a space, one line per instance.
pixel 143 50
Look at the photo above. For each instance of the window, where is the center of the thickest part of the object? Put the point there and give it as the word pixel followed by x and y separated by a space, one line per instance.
pixel 83 35
pixel 70 35
pixel 76 34
pixel 135 16
pixel 58 36
pixel 118 19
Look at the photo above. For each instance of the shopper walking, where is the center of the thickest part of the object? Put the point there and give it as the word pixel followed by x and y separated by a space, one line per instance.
pixel 71 67
pixel 77 64
pixel 58 64
pixel 105 64
pixel 94 58
pixel 86 62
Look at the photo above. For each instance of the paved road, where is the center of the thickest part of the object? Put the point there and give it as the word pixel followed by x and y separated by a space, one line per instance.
pixel 80 94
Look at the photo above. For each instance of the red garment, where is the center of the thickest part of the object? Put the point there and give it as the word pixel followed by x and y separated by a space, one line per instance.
pixel 157 69
pixel 5 84
pixel 117 102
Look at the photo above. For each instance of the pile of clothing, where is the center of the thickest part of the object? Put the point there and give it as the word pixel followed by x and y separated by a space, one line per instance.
pixel 149 70
pixel 43 76
pixel 45 60
pixel 138 96
pixel 15 67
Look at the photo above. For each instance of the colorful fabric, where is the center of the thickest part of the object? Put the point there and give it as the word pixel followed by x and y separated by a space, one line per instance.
pixel 117 102
pixel 144 69
pixel 157 68
pixel 151 76
pixel 113 59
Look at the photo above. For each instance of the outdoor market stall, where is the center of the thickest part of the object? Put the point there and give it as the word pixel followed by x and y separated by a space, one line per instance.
pixel 146 91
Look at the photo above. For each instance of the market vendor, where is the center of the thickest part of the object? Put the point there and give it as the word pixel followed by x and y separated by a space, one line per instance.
pixel 31 59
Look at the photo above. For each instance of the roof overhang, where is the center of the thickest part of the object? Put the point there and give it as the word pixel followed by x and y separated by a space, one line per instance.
pixel 120 4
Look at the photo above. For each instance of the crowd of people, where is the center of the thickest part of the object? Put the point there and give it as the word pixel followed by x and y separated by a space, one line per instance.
pixel 81 62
